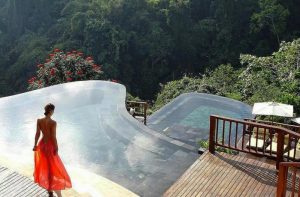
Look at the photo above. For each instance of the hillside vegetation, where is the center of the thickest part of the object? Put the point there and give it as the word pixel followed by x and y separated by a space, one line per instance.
pixel 271 78
pixel 144 42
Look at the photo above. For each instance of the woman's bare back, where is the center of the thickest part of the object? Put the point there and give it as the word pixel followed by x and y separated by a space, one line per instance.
pixel 47 126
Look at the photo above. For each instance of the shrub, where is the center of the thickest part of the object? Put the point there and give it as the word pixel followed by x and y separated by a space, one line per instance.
pixel 63 67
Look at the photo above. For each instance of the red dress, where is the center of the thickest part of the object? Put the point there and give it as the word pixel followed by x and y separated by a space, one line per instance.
pixel 49 171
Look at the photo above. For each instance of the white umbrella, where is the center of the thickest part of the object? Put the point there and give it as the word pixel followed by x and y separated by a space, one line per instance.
pixel 273 109
pixel 296 120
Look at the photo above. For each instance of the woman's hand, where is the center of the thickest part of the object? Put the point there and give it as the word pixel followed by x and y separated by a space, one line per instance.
pixel 34 148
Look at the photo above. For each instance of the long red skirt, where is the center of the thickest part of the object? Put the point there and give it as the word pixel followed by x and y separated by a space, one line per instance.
pixel 49 171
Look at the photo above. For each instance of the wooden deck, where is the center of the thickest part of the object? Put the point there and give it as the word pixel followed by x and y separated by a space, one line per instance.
pixel 227 175
pixel 13 184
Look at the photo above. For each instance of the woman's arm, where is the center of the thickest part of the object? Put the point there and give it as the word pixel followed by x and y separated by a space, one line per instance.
pixel 53 133
pixel 37 134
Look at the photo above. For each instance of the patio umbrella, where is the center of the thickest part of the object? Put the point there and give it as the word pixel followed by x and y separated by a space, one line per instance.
pixel 296 120
pixel 273 109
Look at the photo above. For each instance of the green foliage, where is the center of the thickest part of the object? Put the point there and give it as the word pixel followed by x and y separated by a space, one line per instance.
pixel 129 97
pixel 205 145
pixel 222 81
pixel 272 16
pixel 185 85
pixel 141 42
pixel 271 78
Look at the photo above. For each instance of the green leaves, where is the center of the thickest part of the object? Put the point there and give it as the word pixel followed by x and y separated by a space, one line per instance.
pixel 272 16
pixel 270 78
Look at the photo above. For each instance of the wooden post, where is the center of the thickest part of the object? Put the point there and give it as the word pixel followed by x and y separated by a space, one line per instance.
pixel 212 131
pixel 282 180
pixel 280 147
pixel 145 113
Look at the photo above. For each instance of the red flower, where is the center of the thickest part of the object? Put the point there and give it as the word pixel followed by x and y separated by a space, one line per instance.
pixel 69 53
pixel 74 52
pixel 89 58
pixel 52 71
pixel 31 80
pixel 56 50
pixel 40 82
pixel 69 79
pixel 96 67
pixel 48 60
pixel 79 72
pixel 114 80
pixel 51 54
pixel 40 65
pixel 68 73
pixel 80 54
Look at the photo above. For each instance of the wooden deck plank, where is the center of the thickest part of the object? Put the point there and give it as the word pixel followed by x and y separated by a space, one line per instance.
pixel 227 175
pixel 9 191
pixel 13 184
pixel 193 180
pixel 200 187
pixel 187 175
pixel 253 182
pixel 190 176
pixel 232 172
pixel 243 166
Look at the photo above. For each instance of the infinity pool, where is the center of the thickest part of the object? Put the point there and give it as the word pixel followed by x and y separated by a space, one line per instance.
pixel 186 118
pixel 95 133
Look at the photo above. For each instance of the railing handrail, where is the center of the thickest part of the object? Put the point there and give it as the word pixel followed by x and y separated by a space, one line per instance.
pixel 273 123
pixel 138 102
pixel 290 164
pixel 287 131
pixel 282 134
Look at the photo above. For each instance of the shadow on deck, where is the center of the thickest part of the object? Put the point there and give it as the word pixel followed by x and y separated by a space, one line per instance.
pixel 228 175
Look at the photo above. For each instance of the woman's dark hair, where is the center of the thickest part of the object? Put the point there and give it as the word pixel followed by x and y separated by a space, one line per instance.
pixel 49 107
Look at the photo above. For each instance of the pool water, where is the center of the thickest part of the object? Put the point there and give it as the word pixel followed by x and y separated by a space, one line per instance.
pixel 186 118
pixel 199 118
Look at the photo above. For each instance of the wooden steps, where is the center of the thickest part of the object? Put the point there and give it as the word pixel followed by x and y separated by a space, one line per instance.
pixel 13 184
pixel 227 175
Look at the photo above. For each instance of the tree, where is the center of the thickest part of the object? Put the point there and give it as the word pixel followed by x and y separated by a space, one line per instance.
pixel 271 15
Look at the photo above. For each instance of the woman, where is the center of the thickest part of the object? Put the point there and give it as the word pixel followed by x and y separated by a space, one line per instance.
pixel 49 171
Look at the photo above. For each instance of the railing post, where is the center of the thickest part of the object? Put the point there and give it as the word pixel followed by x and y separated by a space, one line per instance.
pixel 212 131
pixel 282 180
pixel 145 113
pixel 280 147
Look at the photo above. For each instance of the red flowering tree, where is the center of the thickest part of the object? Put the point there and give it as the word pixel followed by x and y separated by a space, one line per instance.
pixel 63 67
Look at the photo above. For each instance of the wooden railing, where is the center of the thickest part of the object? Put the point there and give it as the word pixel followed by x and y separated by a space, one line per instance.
pixel 260 139
pixel 287 126
pixel 284 178
pixel 139 109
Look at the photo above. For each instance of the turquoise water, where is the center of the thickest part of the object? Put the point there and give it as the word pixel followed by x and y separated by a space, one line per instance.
pixel 199 117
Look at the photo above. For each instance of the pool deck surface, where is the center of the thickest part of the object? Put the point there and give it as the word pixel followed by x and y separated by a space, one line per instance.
pixel 227 175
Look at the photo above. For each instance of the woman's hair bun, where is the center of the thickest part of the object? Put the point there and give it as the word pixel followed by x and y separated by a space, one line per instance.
pixel 49 107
